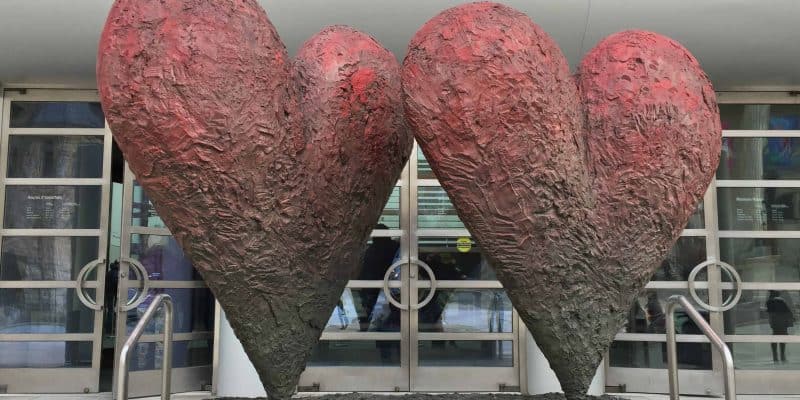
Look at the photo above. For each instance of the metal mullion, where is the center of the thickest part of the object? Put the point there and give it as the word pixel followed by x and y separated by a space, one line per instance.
pixel 659 337
pixel 55 181
pixel 425 182
pixel 177 337
pixel 410 331
pixel 758 183
pixel 124 268
pixel 51 232
pixel 5 111
pixel 754 133
pixel 443 233
pixel 761 338
pixel 146 230
pixel 359 284
pixel 756 97
pixel 177 284
pixel 46 337
pixel 716 319
pixel 752 286
pixel 56 131
pixel 675 285
pixel 694 232
pixel 387 233
pixel 353 336
pixel 49 95
pixel 759 234
pixel 48 285
pixel 424 284
pixel 466 336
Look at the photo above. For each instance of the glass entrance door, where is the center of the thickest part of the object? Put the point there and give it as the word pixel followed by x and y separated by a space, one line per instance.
pixel 54 193
pixel 427 313
pixel 151 262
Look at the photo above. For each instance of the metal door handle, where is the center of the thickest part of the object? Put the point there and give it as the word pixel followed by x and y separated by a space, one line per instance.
pixel 141 294
pixel 731 301
pixel 399 263
pixel 81 279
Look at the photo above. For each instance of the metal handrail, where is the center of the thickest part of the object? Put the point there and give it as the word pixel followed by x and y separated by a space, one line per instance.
pixel 166 362
pixel 673 303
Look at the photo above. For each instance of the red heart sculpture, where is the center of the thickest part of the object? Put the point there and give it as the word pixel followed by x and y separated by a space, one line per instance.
pixel 575 187
pixel 270 173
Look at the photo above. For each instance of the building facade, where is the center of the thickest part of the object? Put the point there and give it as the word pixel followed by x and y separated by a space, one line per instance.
pixel 84 252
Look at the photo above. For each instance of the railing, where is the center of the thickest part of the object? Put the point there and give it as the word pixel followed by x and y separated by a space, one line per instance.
pixel 672 346
pixel 166 362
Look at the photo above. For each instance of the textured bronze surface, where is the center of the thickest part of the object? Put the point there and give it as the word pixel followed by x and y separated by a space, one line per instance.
pixel 575 187
pixel 270 173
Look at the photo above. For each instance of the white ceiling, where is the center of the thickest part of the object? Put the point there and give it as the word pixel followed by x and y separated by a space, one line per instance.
pixel 742 44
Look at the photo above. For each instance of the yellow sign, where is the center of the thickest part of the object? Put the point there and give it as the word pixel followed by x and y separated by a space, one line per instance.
pixel 463 244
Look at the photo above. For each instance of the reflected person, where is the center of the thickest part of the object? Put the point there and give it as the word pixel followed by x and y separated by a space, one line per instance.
pixel 780 319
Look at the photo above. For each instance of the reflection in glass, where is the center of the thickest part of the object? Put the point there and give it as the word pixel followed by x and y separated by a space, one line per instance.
pixel 35 156
pixel 390 217
pixel 687 252
pixel 356 353
pixel 44 311
pixel 150 356
pixel 193 311
pixel 142 212
pixel 760 116
pixel 466 353
pixel 163 258
pixel 46 354
pixel 454 259
pixel 56 114
pixel 424 170
pixel 766 356
pixel 364 310
pixel 466 310
pixel 763 260
pixel 760 158
pixel 53 207
pixel 626 354
pixel 435 209
pixel 764 312
pixel 30 258
pixel 698 218
pixel 647 314
pixel 758 209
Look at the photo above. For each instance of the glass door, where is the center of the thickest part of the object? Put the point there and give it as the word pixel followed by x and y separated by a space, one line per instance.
pixel 151 262
pixel 54 193
pixel 426 311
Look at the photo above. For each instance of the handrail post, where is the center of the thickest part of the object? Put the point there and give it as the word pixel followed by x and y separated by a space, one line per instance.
pixel 672 354
pixel 133 339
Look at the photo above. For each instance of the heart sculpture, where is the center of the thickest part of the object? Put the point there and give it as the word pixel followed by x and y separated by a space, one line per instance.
pixel 575 187
pixel 271 174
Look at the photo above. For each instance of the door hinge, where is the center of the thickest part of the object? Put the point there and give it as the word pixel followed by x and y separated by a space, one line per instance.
pixel 314 387
pixel 509 388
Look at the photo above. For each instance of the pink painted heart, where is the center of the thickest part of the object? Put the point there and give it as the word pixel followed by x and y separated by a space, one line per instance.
pixel 575 186
pixel 271 173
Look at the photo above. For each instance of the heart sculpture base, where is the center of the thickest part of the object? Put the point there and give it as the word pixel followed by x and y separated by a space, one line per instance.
pixel 447 396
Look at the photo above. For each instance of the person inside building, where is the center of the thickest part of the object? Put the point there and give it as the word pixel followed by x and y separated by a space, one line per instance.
pixel 781 319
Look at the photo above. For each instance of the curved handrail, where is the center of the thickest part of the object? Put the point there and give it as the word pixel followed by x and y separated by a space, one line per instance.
pixel 673 303
pixel 166 362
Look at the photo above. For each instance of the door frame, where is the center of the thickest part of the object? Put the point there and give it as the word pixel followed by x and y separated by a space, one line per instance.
pixel 59 380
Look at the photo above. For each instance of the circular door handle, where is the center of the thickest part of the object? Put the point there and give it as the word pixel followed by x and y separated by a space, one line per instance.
pixel 731 301
pixel 141 294
pixel 79 281
pixel 387 293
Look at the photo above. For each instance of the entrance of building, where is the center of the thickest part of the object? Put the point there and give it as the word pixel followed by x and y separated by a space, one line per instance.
pixel 427 312
pixel 83 255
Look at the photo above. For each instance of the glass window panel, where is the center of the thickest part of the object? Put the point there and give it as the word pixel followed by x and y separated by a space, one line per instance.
pixel 163 258
pixel 193 311
pixel 56 114
pixel 626 354
pixel 143 213
pixel 150 356
pixel 760 116
pixel 435 209
pixel 758 209
pixel 766 356
pixel 390 217
pixel 647 313
pixel 55 156
pixel 764 312
pixel 27 258
pixel 687 252
pixel 356 353
pixel 364 310
pixel 46 354
pixel 52 207
pixel 763 260
pixel 759 158
pixel 454 259
pixel 44 311
pixel 424 170
pixel 466 353
pixel 466 310
pixel 698 218
pixel 381 253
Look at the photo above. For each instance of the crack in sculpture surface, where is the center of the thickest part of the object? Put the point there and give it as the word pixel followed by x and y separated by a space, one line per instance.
pixel 270 173
pixel 575 187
